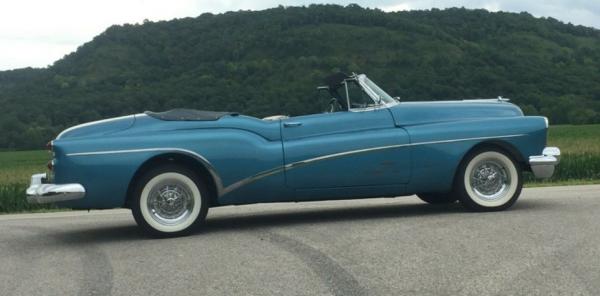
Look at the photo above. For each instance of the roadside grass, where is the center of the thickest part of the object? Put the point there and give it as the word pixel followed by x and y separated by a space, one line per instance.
pixel 12 199
pixel 560 183
pixel 579 144
pixel 16 168
pixel 576 139
pixel 580 159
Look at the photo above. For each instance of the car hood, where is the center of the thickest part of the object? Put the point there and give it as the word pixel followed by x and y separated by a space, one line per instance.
pixel 98 128
pixel 413 113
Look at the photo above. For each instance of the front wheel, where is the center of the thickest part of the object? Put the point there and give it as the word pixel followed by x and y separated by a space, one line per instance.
pixel 169 201
pixel 488 180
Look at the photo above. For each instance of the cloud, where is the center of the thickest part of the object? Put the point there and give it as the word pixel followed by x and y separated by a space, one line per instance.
pixel 578 12
pixel 38 32
pixel 397 7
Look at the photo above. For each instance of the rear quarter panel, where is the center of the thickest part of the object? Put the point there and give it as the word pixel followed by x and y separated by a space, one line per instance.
pixel 235 154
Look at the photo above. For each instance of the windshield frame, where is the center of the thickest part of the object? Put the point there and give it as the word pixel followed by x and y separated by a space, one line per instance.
pixel 380 98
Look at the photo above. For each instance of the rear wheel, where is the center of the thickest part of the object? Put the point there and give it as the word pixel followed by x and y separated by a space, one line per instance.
pixel 488 180
pixel 437 198
pixel 169 201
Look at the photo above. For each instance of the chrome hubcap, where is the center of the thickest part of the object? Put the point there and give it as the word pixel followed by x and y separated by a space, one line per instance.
pixel 490 180
pixel 170 202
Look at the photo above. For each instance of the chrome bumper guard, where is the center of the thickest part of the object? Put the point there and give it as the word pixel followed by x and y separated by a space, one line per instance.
pixel 542 166
pixel 40 193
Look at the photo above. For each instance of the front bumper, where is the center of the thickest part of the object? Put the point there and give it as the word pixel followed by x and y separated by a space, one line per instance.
pixel 40 193
pixel 543 165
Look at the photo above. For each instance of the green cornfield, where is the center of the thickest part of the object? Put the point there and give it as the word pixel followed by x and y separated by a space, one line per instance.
pixel 579 144
pixel 580 159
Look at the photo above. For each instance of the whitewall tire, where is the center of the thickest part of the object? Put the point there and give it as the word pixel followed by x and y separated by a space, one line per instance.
pixel 488 180
pixel 169 201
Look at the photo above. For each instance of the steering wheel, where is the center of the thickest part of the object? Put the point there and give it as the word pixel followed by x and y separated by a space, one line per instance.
pixel 334 105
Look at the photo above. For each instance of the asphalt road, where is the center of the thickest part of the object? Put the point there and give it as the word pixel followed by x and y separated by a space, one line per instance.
pixel 547 244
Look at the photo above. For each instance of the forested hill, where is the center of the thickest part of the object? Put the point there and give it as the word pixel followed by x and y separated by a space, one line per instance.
pixel 269 62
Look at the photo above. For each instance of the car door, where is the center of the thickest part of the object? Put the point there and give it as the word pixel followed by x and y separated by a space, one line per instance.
pixel 345 149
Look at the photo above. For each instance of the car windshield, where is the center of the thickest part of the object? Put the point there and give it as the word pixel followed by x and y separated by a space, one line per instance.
pixel 355 93
pixel 374 91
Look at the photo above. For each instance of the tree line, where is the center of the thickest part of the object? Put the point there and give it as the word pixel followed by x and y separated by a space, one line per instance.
pixel 268 62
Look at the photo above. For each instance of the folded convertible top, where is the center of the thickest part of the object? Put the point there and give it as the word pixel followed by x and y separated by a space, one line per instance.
pixel 189 115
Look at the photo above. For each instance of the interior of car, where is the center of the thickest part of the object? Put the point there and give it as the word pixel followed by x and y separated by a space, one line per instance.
pixel 342 93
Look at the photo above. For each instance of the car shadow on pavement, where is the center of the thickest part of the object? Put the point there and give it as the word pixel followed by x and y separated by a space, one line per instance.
pixel 288 217
pixel 237 222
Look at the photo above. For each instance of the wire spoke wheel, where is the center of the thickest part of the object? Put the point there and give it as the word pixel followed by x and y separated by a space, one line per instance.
pixel 170 201
pixel 488 180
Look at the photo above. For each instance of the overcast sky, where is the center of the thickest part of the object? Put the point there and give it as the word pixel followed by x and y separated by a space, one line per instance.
pixel 35 33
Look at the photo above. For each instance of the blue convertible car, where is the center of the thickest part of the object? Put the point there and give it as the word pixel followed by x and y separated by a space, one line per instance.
pixel 170 167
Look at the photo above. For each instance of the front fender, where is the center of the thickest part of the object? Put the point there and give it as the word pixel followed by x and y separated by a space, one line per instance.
pixel 437 149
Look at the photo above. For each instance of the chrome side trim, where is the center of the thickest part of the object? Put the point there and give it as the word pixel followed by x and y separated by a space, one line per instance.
pixel 211 169
pixel 301 163
pixel 345 153
pixel 340 154
pixel 243 182
pixel 126 151
pixel 252 179
pixel 466 139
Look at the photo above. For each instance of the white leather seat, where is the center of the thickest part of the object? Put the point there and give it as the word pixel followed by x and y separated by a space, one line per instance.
pixel 275 117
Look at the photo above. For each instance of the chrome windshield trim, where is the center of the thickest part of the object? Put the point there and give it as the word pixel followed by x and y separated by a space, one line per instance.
pixel 361 81
pixel 377 100
pixel 373 108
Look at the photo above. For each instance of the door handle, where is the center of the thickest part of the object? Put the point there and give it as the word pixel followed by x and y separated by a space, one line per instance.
pixel 292 124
